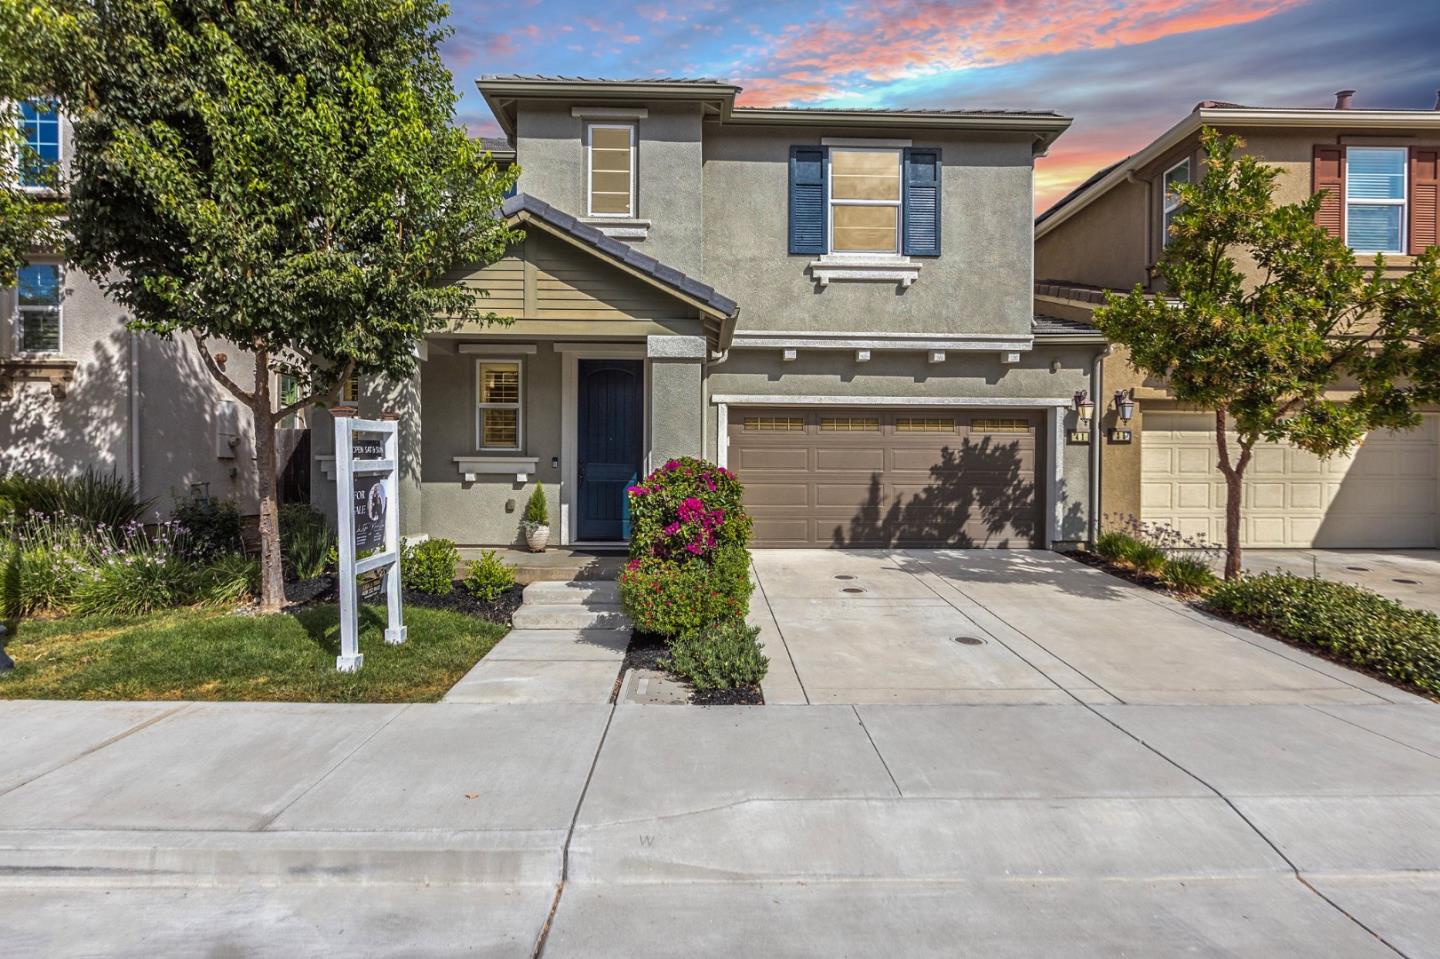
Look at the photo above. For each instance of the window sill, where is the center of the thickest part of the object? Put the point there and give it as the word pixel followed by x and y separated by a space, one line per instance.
pixel 472 467
pixel 36 368
pixel 619 227
pixel 865 267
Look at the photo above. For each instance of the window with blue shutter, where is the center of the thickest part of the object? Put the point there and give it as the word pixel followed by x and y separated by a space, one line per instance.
pixel 922 202
pixel 807 200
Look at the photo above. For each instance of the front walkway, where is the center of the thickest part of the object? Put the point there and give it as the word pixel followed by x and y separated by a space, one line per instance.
pixel 1013 627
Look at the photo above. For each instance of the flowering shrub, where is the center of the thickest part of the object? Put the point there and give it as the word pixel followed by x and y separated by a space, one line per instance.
pixel 688 563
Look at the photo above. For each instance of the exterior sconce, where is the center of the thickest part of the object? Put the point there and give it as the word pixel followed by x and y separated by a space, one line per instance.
pixel 1084 407
pixel 1125 405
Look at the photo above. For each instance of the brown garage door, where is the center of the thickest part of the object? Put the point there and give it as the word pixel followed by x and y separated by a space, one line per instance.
pixel 889 478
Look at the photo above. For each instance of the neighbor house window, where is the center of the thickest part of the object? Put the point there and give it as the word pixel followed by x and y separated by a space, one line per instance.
pixel 1176 175
pixel 865 197
pixel 40 125
pixel 611 152
pixel 289 390
pixel 1375 199
pixel 38 310
pixel 350 389
pixel 499 405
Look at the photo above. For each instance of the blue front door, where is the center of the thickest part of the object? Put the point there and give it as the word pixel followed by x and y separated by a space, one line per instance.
pixel 610 445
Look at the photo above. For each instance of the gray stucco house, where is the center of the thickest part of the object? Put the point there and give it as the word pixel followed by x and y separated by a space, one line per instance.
pixel 835 304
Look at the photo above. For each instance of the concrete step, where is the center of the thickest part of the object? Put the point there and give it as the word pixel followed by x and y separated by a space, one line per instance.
pixel 573 593
pixel 598 616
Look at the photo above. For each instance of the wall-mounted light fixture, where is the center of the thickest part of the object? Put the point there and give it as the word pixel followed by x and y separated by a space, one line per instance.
pixel 1125 405
pixel 1084 408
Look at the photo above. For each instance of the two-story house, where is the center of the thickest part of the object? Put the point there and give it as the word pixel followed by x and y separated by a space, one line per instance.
pixel 1379 171
pixel 79 390
pixel 835 304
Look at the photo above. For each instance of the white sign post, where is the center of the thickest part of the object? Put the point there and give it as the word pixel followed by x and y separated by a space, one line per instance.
pixel 367 506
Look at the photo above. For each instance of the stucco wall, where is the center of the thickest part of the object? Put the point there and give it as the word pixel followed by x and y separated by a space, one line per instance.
pixel 676 409
pixel 179 407
pixel 981 282
pixel 1107 245
pixel 550 150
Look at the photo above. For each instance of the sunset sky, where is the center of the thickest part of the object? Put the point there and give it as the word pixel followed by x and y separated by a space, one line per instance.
pixel 1125 71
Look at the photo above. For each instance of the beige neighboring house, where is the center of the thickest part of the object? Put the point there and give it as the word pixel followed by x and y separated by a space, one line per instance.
pixel 835 304
pixel 78 390
pixel 1381 171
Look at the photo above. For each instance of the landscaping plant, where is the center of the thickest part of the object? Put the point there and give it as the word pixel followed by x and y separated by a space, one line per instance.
pixel 99 499
pixel 212 527
pixel 1265 355
pixel 306 540
pixel 286 177
pixel 1188 574
pixel 228 580
pixel 489 577
pixel 688 563
pixel 722 655
pixel 429 567
pixel 1352 624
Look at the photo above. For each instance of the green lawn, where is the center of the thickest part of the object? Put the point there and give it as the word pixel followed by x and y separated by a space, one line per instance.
pixel 216 655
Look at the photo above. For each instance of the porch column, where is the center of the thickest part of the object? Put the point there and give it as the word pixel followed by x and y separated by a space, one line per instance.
pixel 676 397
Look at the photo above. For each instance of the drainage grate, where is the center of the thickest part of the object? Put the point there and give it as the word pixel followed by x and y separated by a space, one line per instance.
pixel 852 589
pixel 1406 582
pixel 1358 569
pixel 969 640
pixel 843 576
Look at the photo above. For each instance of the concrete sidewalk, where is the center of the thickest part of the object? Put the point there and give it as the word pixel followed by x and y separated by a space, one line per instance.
pixel 1014 830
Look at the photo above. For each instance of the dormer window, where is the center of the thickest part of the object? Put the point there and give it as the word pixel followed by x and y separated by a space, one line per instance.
pixel 610 154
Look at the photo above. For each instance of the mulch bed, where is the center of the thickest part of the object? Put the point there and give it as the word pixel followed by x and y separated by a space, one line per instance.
pixel 647 649
pixel 1124 572
pixel 321 589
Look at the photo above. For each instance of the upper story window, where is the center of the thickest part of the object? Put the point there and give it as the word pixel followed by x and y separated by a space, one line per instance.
pixel 1177 174
pixel 38 313
pixel 498 407
pixel 865 198
pixel 289 392
pixel 1375 195
pixel 40 124
pixel 610 153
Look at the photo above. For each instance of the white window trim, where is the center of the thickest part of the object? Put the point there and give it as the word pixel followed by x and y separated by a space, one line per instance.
pixel 518 406
pixel 17 320
pixel 1167 207
pixel 1403 203
pixel 898 204
pixel 590 129
pixel 19 118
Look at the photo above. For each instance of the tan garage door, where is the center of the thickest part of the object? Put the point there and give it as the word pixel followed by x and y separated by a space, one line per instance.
pixel 889 478
pixel 1386 495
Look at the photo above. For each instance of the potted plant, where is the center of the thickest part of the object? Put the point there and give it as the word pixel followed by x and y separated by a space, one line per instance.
pixel 537 520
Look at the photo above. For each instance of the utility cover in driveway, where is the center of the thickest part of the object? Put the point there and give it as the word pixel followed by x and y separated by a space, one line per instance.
pixel 866 478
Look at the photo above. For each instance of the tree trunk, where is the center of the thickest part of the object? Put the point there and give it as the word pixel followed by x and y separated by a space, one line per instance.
pixel 1234 490
pixel 272 575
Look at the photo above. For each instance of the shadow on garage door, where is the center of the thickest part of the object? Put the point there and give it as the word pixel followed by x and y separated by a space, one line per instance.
pixel 868 478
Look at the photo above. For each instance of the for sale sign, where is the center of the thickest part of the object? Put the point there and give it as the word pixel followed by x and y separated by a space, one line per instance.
pixel 369 505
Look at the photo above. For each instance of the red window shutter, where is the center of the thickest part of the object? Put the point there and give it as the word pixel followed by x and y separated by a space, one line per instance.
pixel 1424 199
pixel 1327 173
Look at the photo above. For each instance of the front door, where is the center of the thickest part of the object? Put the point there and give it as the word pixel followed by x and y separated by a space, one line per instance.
pixel 610 444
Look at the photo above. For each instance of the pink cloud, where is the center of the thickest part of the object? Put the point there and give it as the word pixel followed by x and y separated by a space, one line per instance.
pixel 887 40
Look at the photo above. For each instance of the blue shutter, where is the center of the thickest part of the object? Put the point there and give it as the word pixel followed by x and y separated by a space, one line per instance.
pixel 922 202
pixel 807 200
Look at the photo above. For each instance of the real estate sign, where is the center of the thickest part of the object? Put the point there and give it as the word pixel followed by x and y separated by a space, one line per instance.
pixel 367 467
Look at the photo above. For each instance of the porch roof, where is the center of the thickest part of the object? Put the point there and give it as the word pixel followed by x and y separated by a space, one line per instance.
pixel 719 310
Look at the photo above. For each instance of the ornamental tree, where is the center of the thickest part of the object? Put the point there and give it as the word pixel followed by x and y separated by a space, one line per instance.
pixel 285 178
pixel 1299 344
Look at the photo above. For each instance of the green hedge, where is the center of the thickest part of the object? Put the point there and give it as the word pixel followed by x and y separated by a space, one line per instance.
pixel 1351 623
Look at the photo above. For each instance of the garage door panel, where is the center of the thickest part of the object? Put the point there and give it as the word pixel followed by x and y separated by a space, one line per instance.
pixel 1387 494
pixel 890 478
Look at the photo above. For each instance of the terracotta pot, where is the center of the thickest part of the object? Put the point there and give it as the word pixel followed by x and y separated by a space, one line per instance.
pixel 537 537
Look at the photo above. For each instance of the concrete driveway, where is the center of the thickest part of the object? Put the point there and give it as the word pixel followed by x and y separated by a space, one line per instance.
pixel 1012 627
pixel 1410 575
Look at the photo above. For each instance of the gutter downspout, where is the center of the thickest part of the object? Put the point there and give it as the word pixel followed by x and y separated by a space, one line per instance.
pixel 132 383
pixel 1097 387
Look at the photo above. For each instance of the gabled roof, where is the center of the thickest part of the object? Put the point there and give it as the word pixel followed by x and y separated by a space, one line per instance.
pixel 1046 327
pixel 523 208
pixel 1222 114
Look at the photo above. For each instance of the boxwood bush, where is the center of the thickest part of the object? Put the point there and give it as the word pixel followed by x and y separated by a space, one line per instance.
pixel 429 567
pixel 1353 624
pixel 688 564
pixel 724 655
